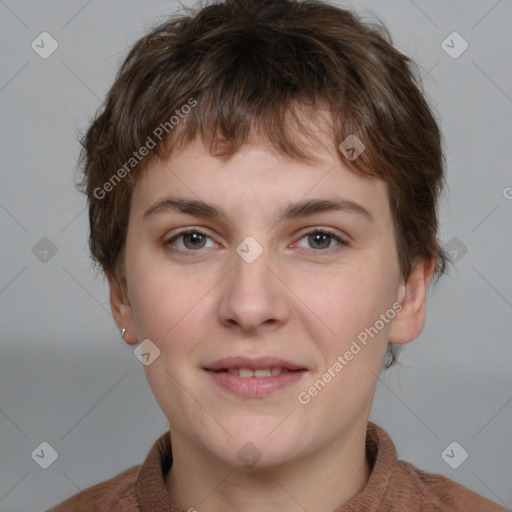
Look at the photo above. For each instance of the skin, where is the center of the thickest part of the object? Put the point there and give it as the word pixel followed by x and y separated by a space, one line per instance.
pixel 294 302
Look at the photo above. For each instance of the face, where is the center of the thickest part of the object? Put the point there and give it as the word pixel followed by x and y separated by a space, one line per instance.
pixel 258 283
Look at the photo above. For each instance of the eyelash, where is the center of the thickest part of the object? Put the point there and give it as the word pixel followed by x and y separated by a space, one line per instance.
pixel 342 242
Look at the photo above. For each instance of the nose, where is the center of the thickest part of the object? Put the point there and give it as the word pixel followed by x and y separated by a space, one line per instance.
pixel 254 295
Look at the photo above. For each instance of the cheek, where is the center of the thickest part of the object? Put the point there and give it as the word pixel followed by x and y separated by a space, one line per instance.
pixel 351 304
pixel 162 293
pixel 166 303
pixel 351 358
pixel 169 311
pixel 353 294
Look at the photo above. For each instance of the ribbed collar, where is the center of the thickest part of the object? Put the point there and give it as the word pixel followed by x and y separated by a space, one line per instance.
pixel 152 493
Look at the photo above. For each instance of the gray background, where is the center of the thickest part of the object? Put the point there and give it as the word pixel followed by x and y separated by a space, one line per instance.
pixel 68 379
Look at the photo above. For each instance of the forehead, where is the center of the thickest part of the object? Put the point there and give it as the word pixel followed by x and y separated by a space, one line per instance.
pixel 256 182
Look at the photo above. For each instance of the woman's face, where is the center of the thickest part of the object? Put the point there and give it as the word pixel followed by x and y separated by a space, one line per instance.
pixel 259 283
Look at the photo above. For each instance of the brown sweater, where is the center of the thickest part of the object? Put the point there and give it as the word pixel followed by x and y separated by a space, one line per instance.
pixel 394 486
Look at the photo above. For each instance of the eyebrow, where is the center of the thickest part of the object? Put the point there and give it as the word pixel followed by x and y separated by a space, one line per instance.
pixel 288 212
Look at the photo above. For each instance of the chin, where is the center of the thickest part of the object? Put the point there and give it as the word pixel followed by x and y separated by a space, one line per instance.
pixel 256 446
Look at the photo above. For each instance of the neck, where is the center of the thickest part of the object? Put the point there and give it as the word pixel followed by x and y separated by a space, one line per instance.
pixel 318 482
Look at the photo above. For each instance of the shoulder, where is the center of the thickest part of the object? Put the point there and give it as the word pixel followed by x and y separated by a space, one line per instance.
pixel 114 495
pixel 400 486
pixel 446 493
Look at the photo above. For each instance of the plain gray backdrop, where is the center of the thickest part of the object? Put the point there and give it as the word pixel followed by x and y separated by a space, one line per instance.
pixel 66 377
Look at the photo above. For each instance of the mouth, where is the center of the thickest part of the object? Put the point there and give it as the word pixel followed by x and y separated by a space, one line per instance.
pixel 261 372
pixel 254 377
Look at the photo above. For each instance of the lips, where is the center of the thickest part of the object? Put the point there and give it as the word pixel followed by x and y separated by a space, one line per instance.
pixel 256 377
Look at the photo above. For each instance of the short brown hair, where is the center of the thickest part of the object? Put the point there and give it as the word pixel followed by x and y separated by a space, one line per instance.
pixel 248 65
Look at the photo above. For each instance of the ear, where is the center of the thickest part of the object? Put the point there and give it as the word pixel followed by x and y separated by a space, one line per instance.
pixel 409 321
pixel 122 310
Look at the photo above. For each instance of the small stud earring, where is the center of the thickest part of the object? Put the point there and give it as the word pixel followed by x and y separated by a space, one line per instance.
pixel 122 333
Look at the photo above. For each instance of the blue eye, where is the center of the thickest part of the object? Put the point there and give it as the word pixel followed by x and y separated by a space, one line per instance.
pixel 195 239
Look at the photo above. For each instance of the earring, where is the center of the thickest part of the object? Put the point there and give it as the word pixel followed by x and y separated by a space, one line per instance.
pixel 122 333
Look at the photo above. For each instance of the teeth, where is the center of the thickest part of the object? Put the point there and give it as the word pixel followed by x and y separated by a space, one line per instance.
pixel 262 373
pixel 247 372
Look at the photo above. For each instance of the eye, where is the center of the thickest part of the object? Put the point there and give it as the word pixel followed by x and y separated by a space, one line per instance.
pixel 322 240
pixel 192 239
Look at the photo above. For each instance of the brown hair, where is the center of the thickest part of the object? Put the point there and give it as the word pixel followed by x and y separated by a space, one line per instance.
pixel 245 68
